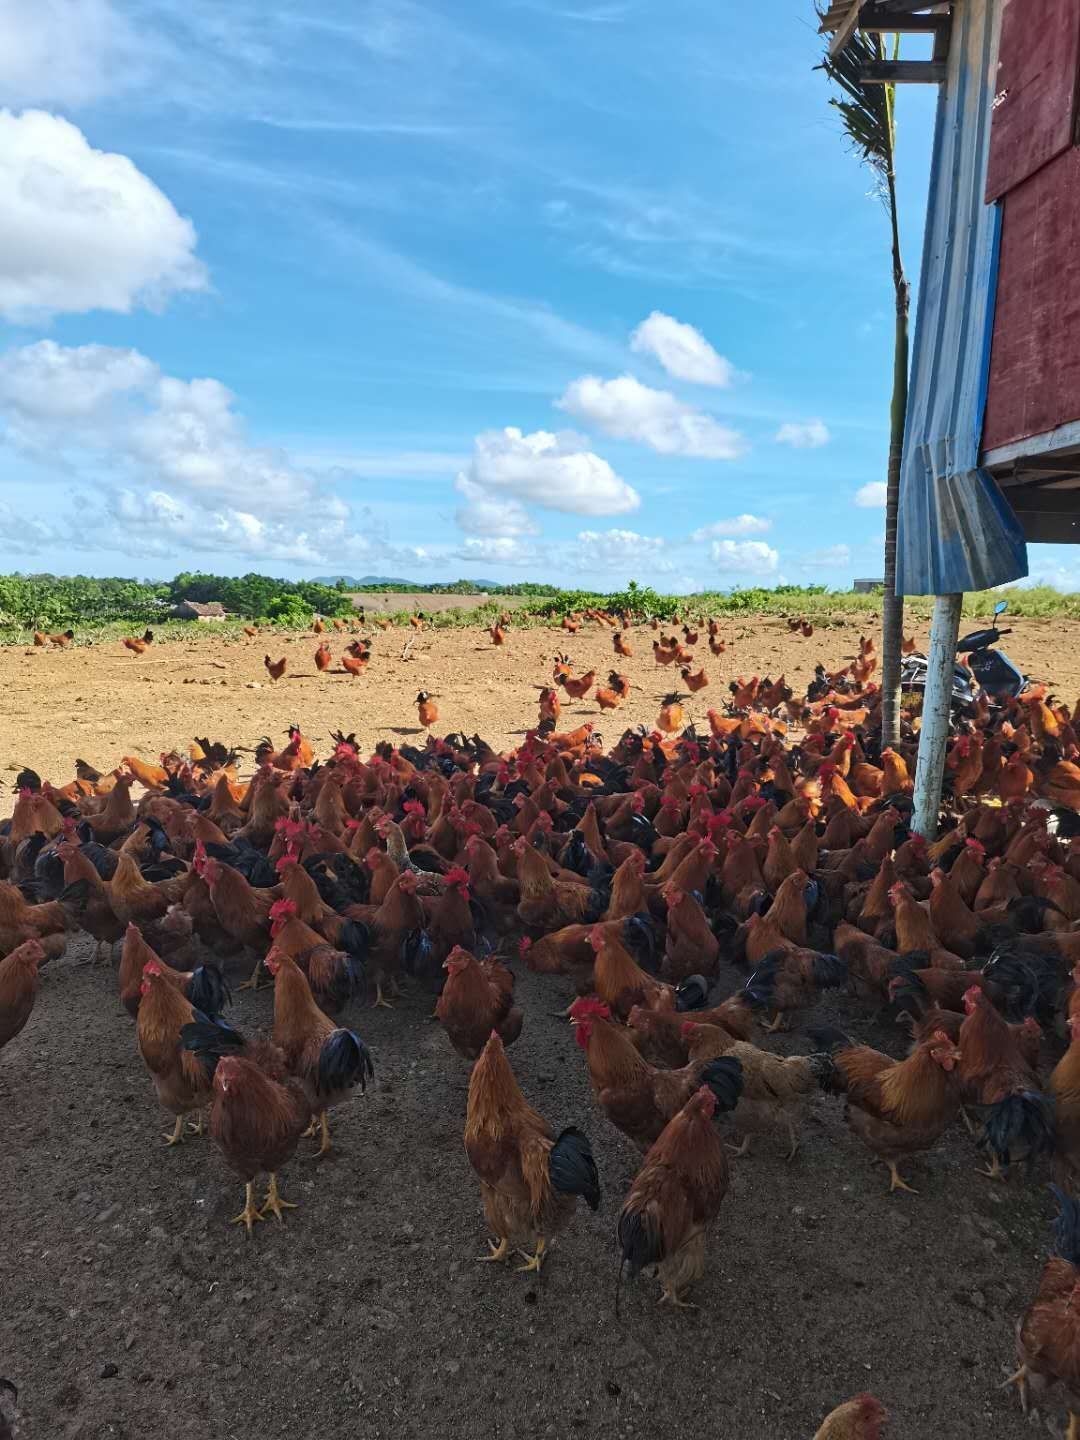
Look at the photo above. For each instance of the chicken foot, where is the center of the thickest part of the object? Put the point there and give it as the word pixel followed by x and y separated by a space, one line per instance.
pixel 533 1262
pixel 1020 1380
pixel 274 1202
pixel 252 982
pixel 738 1152
pixel 777 1024
pixel 994 1171
pixel 499 1252
pixel 176 1137
pixel 251 1212
pixel 380 1001
pixel 896 1180
pixel 670 1297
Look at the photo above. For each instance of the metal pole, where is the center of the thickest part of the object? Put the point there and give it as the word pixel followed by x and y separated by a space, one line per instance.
pixel 934 734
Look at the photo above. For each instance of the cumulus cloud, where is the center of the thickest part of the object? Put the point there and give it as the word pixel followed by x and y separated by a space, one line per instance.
pixel 495 550
pixel 486 515
pixel 60 52
pixel 174 470
pixel 810 435
pixel 744 557
pixel 631 411
pixel 83 229
pixel 872 495
pixel 620 549
pixel 738 525
pixel 554 471
pixel 682 351
pixel 828 558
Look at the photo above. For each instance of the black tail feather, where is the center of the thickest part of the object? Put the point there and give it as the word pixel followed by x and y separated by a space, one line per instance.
pixel 208 990
pixel 724 1077
pixel 1023 1121
pixel 344 1061
pixel 572 1169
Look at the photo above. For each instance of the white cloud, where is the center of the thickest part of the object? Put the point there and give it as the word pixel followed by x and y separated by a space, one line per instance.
pixel 682 351
pixel 744 557
pixel 631 411
pixel 619 549
pixel 486 515
pixel 496 551
pixel 60 52
pixel 810 435
pixel 171 468
pixel 738 525
pixel 557 472
pixel 83 229
pixel 872 495
pixel 828 558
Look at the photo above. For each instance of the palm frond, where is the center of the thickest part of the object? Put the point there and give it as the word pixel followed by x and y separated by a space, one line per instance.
pixel 866 110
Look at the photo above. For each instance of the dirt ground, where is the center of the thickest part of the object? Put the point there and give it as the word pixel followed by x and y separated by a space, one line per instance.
pixel 101 702
pixel 130 1309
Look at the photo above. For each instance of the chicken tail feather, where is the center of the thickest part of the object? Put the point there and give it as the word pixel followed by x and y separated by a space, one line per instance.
pixel 572 1169
pixel 344 1061
pixel 724 1077
pixel 1024 1120
pixel 209 990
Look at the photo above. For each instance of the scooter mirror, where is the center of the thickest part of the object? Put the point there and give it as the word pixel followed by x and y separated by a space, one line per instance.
pixel 1000 608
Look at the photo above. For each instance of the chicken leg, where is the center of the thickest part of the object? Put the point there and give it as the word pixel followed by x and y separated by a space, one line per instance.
pixel 250 1213
pixel 324 1144
pixel 533 1262
pixel 1073 1432
pixel 737 1152
pixel 252 982
pixel 1020 1380
pixel 994 1171
pixel 177 1135
pixel 499 1252
pixel 777 1024
pixel 274 1202
pixel 896 1180
pixel 380 1001
pixel 669 1297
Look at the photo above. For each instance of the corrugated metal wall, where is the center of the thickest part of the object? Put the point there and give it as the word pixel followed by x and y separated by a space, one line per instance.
pixel 956 531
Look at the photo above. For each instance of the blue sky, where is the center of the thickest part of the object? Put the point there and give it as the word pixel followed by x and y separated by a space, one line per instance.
pixel 579 289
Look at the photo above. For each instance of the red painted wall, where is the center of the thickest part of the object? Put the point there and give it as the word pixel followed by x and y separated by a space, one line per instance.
pixel 1034 168
pixel 1035 358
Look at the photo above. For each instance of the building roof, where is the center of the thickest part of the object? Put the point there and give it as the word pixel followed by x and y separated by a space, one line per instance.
pixel 214 610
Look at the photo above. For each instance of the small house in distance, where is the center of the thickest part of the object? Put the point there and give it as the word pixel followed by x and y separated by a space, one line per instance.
pixel 867 587
pixel 193 610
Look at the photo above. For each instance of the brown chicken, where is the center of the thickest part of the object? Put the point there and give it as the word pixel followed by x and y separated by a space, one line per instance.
pixel 529 1178
pixel 577 688
pixel 896 1107
pixel 1064 1086
pixel 426 709
pixel 179 1078
pixel 774 1086
pixel 1048 1332
pixel 137 643
pixel 328 1061
pixel 18 988
pixel 996 1073
pixel 862 1418
pixel 275 668
pixel 323 657
pixel 258 1112
pixel 203 987
pixel 670 719
pixel 678 1191
pixel 638 1099
pixel 788 980
pixel 477 1000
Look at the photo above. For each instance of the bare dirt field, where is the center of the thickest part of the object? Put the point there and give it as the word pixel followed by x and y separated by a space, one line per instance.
pixel 131 1310
pixel 392 602
pixel 101 702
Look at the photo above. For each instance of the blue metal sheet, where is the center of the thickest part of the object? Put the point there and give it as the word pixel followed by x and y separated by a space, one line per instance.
pixel 956 530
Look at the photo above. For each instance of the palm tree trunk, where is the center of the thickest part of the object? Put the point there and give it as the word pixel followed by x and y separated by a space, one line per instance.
pixel 892 609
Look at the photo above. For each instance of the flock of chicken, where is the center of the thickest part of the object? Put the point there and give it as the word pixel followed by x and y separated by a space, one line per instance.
pixel 634 871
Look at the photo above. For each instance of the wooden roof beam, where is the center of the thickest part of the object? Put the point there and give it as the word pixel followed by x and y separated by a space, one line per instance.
pixel 904 72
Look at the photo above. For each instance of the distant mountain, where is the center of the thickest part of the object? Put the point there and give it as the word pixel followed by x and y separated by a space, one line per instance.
pixel 351 582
